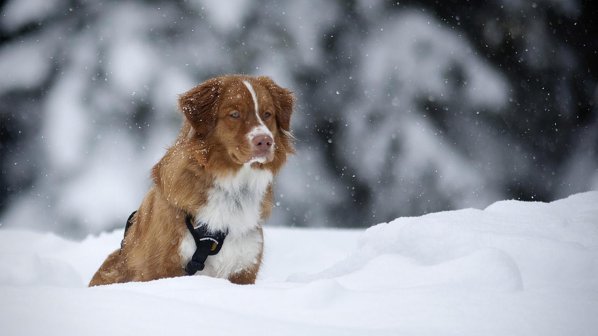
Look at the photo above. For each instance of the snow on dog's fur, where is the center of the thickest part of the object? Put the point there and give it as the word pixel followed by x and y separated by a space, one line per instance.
pixel 234 140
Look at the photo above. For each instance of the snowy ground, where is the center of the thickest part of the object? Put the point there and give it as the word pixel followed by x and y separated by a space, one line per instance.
pixel 512 269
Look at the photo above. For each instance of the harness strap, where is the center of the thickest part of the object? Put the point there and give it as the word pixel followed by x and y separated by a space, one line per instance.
pixel 127 226
pixel 129 221
pixel 207 243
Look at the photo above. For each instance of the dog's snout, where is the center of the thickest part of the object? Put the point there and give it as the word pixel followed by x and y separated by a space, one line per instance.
pixel 262 142
pixel 262 147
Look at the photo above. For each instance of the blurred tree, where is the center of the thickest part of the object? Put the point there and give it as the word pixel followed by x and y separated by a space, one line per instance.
pixel 403 107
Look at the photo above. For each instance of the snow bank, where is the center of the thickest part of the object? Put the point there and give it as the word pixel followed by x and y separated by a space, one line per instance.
pixel 514 268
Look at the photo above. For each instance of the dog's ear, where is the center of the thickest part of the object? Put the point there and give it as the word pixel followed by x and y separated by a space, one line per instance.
pixel 283 101
pixel 199 106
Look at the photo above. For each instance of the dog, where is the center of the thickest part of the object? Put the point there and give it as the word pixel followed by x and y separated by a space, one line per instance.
pixel 214 186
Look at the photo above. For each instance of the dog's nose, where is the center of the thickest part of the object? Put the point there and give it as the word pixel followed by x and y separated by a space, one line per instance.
pixel 262 142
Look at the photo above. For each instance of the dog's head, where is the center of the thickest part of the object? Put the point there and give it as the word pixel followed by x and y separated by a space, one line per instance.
pixel 240 119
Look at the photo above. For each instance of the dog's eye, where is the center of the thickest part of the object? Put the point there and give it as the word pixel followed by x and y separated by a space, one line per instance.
pixel 267 115
pixel 234 114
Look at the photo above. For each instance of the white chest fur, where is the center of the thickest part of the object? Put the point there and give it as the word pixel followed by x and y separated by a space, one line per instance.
pixel 234 204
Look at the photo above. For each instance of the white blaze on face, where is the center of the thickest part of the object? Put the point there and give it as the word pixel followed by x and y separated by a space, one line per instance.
pixel 261 128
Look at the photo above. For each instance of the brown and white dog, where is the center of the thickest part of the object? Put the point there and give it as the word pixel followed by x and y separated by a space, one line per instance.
pixel 234 140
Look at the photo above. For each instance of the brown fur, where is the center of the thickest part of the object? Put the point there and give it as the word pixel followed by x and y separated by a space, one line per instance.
pixel 210 144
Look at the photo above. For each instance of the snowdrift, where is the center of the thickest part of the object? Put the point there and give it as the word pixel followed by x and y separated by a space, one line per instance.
pixel 514 268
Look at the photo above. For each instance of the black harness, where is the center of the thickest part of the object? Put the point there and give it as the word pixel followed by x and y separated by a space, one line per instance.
pixel 207 243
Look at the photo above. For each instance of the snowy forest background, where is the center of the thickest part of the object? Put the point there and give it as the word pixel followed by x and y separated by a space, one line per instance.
pixel 404 107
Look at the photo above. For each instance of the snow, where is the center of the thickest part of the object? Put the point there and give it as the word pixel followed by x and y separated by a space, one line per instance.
pixel 66 150
pixel 16 14
pixel 225 15
pixel 514 268
pixel 27 52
